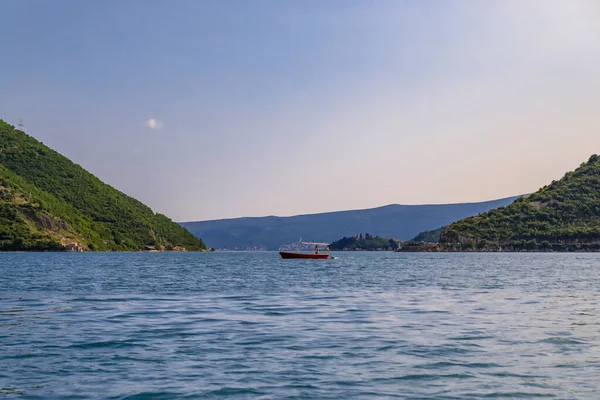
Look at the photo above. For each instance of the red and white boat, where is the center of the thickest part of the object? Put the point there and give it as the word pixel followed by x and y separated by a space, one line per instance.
pixel 320 252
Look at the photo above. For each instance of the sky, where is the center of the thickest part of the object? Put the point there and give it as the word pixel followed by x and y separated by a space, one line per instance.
pixel 230 108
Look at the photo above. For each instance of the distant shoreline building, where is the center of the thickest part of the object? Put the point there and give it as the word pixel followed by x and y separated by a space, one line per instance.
pixel 73 247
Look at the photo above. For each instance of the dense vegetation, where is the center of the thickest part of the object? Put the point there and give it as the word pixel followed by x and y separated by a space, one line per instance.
pixel 432 236
pixel 364 243
pixel 47 199
pixel 392 221
pixel 562 216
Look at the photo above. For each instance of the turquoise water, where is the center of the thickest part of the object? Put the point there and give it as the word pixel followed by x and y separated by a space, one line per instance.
pixel 249 325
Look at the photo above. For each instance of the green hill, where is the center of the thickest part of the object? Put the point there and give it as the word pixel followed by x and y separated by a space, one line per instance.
pixel 562 216
pixel 364 243
pixel 432 236
pixel 47 200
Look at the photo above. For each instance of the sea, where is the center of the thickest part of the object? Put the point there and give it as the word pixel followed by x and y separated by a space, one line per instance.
pixel 248 325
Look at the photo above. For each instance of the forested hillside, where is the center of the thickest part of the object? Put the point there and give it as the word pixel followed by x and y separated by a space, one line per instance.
pixel 364 242
pixel 561 216
pixel 47 199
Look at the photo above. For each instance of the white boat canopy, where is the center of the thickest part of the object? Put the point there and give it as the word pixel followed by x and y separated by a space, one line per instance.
pixel 315 243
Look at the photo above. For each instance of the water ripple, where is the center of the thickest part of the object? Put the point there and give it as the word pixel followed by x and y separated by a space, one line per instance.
pixel 249 325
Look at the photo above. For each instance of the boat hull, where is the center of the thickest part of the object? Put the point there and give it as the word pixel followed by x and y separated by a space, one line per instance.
pixel 286 255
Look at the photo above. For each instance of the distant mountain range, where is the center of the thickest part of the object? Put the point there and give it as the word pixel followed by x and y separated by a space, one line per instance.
pixel 391 221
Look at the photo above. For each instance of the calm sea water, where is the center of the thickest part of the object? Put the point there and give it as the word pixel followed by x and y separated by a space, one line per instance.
pixel 249 325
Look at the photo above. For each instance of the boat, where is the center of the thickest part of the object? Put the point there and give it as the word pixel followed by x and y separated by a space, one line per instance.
pixel 314 255
pixel 287 255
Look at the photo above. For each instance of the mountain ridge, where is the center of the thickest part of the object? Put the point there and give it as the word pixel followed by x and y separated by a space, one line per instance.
pixel 350 210
pixel 561 216
pixel 47 201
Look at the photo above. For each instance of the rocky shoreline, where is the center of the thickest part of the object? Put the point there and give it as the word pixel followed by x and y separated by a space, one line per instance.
pixel 518 247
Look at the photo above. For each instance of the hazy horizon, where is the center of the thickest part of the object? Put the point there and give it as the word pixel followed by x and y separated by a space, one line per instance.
pixel 220 109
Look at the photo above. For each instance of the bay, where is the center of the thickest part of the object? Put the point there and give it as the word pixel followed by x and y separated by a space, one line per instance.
pixel 250 325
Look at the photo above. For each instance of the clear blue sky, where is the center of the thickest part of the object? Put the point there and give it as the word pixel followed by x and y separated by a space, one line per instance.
pixel 208 109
